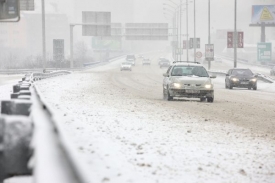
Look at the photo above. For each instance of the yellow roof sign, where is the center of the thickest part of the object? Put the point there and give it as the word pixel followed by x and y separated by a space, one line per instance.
pixel 266 15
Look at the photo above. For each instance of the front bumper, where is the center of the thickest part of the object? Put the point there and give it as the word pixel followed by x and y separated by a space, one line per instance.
pixel 125 68
pixel 243 84
pixel 191 93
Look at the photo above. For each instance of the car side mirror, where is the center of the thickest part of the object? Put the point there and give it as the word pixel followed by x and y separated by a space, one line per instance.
pixel 227 74
pixel 166 75
pixel 213 77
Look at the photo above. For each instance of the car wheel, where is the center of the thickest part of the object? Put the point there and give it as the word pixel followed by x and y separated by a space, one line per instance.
pixel 230 87
pixel 210 99
pixel 249 88
pixel 202 99
pixel 168 97
pixel 255 88
pixel 225 85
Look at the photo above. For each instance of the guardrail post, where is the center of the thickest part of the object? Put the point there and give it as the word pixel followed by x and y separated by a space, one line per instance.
pixel 15 137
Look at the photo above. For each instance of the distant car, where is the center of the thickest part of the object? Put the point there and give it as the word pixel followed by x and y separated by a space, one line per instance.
pixel 241 78
pixel 217 59
pixel 160 59
pixel 131 59
pixel 186 79
pixel 146 61
pixel 126 66
pixel 164 63
pixel 139 56
pixel 272 71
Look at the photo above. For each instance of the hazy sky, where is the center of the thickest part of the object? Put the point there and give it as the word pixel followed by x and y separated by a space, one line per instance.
pixel 149 11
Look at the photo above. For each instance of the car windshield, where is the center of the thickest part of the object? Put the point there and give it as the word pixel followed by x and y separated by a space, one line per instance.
pixel 126 63
pixel 242 72
pixel 189 71
pixel 130 57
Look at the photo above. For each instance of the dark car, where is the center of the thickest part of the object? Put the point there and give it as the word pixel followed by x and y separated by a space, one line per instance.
pixel 164 63
pixel 272 71
pixel 131 59
pixel 241 78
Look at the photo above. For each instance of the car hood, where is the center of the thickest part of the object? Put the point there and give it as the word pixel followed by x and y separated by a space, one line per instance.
pixel 191 80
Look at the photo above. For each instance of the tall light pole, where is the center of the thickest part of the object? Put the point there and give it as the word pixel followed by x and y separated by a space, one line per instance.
pixel 209 41
pixel 43 34
pixel 235 35
pixel 180 30
pixel 187 42
pixel 175 27
pixel 195 39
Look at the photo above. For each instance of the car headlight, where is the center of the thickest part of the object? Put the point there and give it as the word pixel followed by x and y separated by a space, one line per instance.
pixel 208 86
pixel 235 79
pixel 176 85
pixel 253 80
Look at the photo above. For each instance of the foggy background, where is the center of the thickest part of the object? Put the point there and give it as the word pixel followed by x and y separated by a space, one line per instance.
pixel 22 42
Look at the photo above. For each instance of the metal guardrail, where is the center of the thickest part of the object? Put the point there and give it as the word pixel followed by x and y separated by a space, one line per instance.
pixel 32 141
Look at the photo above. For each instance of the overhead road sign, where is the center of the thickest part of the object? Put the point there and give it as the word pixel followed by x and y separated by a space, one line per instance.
pixel 9 11
pixel 146 31
pixel 209 52
pixel 99 23
pixel 264 52
pixel 263 14
pixel 27 5
pixel 116 32
pixel 230 39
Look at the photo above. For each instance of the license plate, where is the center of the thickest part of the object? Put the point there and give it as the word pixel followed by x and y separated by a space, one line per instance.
pixel 244 83
pixel 192 91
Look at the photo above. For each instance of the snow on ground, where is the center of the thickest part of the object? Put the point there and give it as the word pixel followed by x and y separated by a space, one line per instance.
pixel 125 137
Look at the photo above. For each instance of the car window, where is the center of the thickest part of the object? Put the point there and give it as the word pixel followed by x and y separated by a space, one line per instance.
pixel 168 70
pixel 189 71
pixel 239 72
pixel 130 57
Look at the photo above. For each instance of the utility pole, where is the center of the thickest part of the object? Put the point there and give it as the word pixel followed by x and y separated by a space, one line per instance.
pixel 195 39
pixel 71 45
pixel 43 35
pixel 209 41
pixel 235 36
pixel 180 30
pixel 187 42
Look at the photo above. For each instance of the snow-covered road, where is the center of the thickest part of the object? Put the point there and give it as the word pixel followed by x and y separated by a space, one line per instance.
pixel 126 133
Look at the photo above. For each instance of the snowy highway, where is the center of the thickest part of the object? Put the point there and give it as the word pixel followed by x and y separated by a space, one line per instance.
pixel 126 132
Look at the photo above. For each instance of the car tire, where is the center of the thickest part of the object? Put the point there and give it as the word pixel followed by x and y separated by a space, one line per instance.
pixel 166 95
pixel 226 85
pixel 230 87
pixel 249 88
pixel 210 99
pixel 255 88
pixel 202 99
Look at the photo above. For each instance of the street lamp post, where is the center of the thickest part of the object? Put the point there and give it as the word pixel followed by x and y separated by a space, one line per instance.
pixel 175 27
pixel 235 35
pixel 195 39
pixel 187 42
pixel 180 49
pixel 209 41
pixel 43 34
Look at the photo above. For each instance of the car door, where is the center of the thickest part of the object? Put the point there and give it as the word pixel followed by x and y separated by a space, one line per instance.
pixel 166 78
